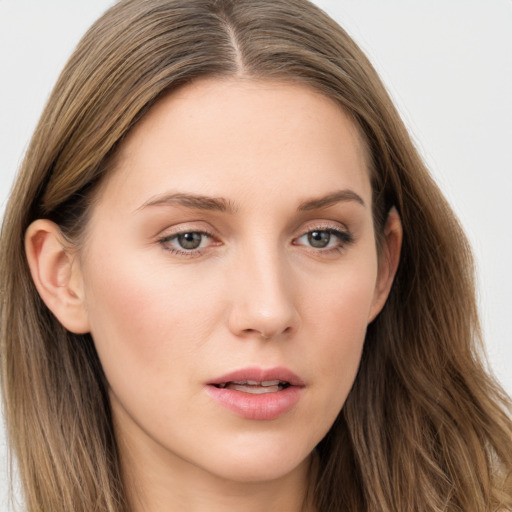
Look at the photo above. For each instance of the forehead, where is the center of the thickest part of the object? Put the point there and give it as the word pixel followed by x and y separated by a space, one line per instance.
pixel 216 137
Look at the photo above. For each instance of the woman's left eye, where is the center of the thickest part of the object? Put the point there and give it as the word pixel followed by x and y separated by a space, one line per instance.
pixel 328 238
pixel 186 242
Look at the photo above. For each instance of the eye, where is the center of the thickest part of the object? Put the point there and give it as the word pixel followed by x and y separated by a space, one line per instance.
pixel 189 240
pixel 186 242
pixel 326 238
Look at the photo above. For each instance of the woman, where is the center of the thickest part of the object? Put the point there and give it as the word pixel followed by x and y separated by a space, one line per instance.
pixel 243 290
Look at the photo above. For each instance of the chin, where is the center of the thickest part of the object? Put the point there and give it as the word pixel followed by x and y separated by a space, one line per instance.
pixel 260 465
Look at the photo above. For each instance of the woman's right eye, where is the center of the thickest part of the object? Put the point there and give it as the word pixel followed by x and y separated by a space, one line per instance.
pixel 186 242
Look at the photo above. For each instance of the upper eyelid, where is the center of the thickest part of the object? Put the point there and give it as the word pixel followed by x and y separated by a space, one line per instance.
pixel 324 225
pixel 186 227
pixel 175 234
pixel 343 233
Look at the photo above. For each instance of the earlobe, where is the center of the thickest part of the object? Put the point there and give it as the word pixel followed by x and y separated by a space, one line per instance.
pixel 388 261
pixel 56 274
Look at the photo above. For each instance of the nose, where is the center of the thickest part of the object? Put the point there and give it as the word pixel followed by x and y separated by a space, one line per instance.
pixel 263 300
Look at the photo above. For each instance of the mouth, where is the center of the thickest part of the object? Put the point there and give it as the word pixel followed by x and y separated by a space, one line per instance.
pixel 256 380
pixel 254 387
pixel 256 393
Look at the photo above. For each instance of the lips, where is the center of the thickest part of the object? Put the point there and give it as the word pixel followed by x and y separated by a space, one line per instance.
pixel 256 393
pixel 260 375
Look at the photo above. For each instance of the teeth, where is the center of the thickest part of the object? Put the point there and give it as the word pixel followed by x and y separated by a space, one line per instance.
pixel 255 387
pixel 256 383
pixel 254 390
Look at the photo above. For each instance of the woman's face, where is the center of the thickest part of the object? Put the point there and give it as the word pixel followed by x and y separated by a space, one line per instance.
pixel 228 277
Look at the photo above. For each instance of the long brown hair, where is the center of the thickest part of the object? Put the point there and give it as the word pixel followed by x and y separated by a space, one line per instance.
pixel 425 427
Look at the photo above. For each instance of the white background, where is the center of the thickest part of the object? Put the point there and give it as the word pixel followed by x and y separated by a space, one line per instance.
pixel 447 64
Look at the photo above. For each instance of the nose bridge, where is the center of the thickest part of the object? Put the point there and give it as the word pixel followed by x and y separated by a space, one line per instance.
pixel 263 301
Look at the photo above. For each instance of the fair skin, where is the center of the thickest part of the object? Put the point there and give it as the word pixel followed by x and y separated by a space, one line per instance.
pixel 234 234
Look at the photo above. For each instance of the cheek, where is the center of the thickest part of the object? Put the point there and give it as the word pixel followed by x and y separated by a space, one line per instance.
pixel 342 303
pixel 337 320
pixel 149 336
pixel 142 315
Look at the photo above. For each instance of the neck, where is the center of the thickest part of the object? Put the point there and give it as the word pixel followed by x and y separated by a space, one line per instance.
pixel 191 490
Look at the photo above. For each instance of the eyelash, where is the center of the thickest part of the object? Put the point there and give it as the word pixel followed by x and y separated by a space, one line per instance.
pixel 345 238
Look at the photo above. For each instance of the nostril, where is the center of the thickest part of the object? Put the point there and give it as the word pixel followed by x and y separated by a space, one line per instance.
pixel 266 335
pixel 258 333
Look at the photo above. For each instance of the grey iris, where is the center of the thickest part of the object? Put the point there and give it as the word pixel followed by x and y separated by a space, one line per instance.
pixel 190 240
pixel 319 239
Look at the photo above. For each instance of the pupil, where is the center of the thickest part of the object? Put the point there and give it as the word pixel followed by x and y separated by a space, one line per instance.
pixel 190 240
pixel 319 239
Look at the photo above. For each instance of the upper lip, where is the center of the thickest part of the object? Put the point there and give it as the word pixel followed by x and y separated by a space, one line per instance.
pixel 257 374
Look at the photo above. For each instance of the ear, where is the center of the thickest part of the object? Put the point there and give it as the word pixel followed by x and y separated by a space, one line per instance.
pixel 388 261
pixel 56 274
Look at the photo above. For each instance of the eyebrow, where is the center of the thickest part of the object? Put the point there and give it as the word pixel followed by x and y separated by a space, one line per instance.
pixel 194 201
pixel 219 204
pixel 331 200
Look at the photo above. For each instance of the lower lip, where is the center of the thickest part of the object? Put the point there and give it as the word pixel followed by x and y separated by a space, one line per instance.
pixel 267 406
